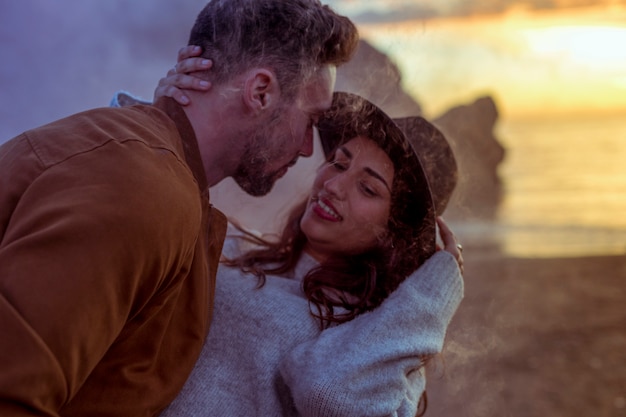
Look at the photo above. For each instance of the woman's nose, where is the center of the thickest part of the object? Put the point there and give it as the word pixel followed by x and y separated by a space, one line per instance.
pixel 336 185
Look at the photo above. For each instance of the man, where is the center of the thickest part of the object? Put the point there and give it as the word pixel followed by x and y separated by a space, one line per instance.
pixel 108 242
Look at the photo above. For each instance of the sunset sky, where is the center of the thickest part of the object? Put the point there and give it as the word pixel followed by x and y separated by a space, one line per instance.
pixel 553 60
pixel 536 57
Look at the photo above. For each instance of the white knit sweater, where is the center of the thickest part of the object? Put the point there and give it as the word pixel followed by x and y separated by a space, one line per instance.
pixel 266 356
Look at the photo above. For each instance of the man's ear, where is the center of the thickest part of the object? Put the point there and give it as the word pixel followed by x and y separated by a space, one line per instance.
pixel 260 89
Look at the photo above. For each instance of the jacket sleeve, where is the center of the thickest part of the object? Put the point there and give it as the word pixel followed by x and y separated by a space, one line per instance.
pixel 373 364
pixel 90 243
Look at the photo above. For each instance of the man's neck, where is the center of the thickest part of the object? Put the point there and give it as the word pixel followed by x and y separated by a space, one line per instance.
pixel 216 125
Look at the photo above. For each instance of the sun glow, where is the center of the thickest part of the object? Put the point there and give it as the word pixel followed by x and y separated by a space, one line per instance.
pixel 535 64
pixel 594 47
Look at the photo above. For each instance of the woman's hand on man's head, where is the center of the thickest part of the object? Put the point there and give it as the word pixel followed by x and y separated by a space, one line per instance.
pixel 180 77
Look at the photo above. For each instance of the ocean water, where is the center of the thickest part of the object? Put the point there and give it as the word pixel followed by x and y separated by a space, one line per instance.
pixel 565 188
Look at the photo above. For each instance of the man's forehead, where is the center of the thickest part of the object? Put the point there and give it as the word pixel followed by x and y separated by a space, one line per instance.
pixel 317 94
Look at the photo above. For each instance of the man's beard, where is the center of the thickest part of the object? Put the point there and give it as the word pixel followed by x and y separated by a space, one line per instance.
pixel 251 174
pixel 253 179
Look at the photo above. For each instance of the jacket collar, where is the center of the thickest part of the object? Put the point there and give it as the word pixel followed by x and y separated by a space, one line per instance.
pixel 189 140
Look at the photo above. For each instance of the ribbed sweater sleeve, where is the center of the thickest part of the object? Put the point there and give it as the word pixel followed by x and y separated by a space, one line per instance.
pixel 373 365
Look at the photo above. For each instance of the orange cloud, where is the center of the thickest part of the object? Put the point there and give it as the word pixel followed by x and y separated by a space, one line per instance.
pixel 535 64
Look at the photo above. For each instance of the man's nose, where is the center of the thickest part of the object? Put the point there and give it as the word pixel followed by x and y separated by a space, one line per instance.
pixel 306 149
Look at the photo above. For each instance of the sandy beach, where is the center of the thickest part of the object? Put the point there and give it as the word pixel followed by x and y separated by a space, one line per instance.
pixel 535 337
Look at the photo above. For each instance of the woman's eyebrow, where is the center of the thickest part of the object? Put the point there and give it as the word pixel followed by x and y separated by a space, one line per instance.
pixel 345 151
pixel 378 177
pixel 370 171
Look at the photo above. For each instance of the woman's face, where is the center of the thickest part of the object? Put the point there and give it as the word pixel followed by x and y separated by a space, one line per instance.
pixel 350 201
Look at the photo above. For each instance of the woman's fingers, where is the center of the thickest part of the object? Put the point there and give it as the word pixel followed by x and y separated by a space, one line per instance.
pixel 189 60
pixel 188 51
pixel 446 234
pixel 190 65
pixel 181 77
pixel 173 85
pixel 450 243
pixel 168 90
pixel 185 81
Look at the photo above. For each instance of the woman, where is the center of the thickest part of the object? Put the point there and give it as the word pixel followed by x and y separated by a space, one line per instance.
pixel 323 322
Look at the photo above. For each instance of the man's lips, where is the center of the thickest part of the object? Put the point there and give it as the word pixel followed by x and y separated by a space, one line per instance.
pixel 324 209
pixel 281 173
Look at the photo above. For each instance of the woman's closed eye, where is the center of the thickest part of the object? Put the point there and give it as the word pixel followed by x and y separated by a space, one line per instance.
pixel 368 190
pixel 340 165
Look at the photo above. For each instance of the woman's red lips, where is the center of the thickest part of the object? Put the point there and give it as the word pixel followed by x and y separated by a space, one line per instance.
pixel 324 209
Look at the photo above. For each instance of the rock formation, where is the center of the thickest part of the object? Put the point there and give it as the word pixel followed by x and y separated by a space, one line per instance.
pixel 470 131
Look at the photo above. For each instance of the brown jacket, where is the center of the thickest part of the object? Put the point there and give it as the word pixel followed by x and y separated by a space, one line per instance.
pixel 108 254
